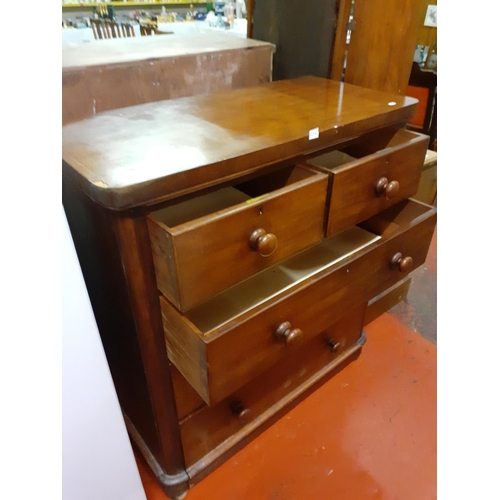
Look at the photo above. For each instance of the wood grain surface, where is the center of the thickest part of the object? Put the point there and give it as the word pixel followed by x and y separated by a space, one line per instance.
pixel 219 361
pixel 192 259
pixel 152 152
pixel 353 195
pixel 382 44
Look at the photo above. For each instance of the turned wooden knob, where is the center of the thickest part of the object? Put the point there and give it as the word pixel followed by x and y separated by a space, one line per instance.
pixel 289 335
pixel 334 346
pixel 404 264
pixel 390 189
pixel 239 410
pixel 262 242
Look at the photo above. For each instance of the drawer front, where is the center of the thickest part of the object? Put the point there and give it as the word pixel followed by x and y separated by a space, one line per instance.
pixel 269 393
pixel 218 364
pixel 197 260
pixel 367 185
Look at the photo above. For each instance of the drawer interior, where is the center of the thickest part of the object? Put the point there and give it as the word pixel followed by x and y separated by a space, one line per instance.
pixel 397 218
pixel 331 252
pixel 381 142
pixel 200 208
pixel 276 279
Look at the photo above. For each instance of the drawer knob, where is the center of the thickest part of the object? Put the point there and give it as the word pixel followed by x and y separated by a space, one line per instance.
pixel 262 242
pixel 334 346
pixel 239 410
pixel 404 264
pixel 390 189
pixel 289 335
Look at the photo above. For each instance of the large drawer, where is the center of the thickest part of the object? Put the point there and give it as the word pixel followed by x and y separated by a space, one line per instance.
pixel 208 243
pixel 381 170
pixel 224 343
pixel 204 432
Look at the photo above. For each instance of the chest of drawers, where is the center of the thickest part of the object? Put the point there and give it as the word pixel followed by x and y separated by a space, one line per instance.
pixel 230 245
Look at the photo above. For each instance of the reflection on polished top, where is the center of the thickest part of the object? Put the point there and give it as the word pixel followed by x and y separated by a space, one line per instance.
pixel 137 155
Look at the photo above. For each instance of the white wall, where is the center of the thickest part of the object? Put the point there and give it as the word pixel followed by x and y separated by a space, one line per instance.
pixel 98 463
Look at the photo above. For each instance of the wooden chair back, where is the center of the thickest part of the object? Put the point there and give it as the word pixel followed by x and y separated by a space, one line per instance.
pixel 112 28
pixel 98 29
pixel 148 30
pixel 127 30
pixel 106 29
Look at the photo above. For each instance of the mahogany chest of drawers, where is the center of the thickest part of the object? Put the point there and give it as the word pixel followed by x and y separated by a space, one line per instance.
pixel 230 245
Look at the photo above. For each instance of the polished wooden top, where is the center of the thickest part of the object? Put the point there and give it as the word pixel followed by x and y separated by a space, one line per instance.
pixel 149 48
pixel 148 153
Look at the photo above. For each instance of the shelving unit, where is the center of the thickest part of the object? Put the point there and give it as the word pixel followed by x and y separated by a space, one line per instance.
pixel 132 4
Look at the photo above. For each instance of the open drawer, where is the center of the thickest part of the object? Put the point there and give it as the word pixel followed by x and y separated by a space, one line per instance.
pixel 225 342
pixel 204 433
pixel 208 243
pixel 381 170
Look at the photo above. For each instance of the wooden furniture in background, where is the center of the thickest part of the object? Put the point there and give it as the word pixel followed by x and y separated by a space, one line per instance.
pixel 250 10
pixel 382 43
pixel 148 186
pixel 113 29
pixel 339 48
pixel 149 30
pixel 107 29
pixel 127 30
pixel 99 77
pixel 98 29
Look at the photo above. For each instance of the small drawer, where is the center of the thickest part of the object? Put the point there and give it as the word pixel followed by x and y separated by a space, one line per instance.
pixel 381 170
pixel 224 343
pixel 206 244
pixel 258 401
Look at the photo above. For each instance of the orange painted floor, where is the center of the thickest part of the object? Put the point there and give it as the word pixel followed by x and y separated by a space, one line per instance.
pixel 368 433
